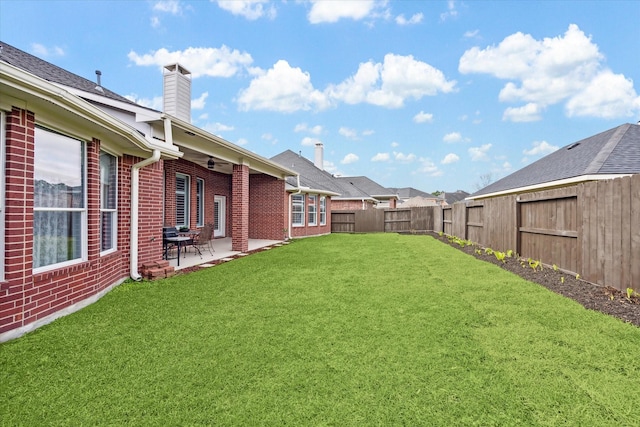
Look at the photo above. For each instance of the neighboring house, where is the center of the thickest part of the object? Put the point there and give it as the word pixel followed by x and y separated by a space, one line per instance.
pixel 407 193
pixel 610 154
pixel 451 198
pixel 89 178
pixel 309 196
pixel 385 198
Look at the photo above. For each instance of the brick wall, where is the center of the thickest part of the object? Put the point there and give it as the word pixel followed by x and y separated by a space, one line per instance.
pixel 240 209
pixel 26 297
pixel 351 205
pixel 267 214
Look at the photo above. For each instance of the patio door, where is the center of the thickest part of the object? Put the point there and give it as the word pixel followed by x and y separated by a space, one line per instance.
pixel 219 216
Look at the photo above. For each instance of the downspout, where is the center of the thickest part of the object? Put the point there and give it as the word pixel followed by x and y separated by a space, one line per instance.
pixel 290 207
pixel 135 187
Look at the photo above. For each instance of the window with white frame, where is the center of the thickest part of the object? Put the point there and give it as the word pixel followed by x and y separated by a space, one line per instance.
pixel 297 210
pixel 323 210
pixel 182 200
pixel 108 201
pixel 2 196
pixel 200 202
pixel 313 212
pixel 59 199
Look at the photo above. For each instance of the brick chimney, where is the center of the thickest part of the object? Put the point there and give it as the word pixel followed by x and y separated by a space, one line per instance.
pixel 177 92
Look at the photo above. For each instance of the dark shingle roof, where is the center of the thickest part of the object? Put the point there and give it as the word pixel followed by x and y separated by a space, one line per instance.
pixel 615 151
pixel 53 73
pixel 315 178
pixel 456 196
pixel 409 192
pixel 367 185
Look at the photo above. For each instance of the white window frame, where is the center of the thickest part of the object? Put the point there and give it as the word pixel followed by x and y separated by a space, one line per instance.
pixel 112 211
pixel 297 210
pixel 323 210
pixel 187 202
pixel 83 211
pixel 2 192
pixel 312 204
pixel 199 202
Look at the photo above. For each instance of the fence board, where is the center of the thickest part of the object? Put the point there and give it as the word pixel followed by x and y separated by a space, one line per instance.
pixel 635 232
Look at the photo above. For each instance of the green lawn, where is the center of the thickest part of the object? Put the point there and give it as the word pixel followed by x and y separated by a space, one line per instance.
pixel 378 329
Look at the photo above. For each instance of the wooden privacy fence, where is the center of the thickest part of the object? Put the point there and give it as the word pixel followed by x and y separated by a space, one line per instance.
pixel 591 229
pixel 379 220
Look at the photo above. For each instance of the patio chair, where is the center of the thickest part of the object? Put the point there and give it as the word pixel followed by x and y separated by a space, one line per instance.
pixel 205 238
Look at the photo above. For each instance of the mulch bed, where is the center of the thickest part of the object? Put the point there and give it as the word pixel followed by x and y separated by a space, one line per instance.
pixel 593 297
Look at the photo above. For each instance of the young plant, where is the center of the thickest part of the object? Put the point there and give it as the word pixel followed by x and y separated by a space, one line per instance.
pixel 562 280
pixel 555 267
pixel 534 264
pixel 488 251
pixel 499 255
pixel 509 253
pixel 577 277
pixel 630 293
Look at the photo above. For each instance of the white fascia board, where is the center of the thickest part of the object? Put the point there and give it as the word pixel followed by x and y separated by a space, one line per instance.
pixel 142 114
pixel 549 185
pixel 36 87
pixel 310 190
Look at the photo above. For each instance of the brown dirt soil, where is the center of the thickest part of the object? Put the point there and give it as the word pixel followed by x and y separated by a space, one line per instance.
pixel 593 297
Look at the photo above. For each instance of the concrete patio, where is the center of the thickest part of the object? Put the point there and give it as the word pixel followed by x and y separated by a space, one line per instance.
pixel 222 251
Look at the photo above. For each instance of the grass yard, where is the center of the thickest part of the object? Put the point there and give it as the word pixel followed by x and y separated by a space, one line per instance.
pixel 378 329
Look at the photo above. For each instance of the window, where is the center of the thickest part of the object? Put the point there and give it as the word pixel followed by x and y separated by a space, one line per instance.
pixel 323 210
pixel 108 201
pixel 313 214
pixel 182 200
pixel 199 202
pixel 297 211
pixel 59 199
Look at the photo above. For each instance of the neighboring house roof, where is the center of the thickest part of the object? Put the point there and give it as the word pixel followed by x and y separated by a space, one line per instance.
pixel 410 192
pixel 53 73
pixel 456 196
pixel 419 201
pixel 612 153
pixel 312 178
pixel 369 186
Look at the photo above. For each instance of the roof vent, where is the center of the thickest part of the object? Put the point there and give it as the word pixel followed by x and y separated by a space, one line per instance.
pixel 572 146
pixel 99 87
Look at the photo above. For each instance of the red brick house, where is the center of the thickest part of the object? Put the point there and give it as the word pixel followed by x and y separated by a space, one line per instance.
pixel 89 178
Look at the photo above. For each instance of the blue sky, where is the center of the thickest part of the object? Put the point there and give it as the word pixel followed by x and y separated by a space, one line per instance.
pixel 435 95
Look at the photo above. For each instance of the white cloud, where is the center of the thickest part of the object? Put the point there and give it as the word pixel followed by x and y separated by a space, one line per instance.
pixel 282 88
pixel 250 9
pixel 41 50
pixel 381 157
pixel 349 158
pixel 540 148
pixel 471 34
pixel 567 68
pixel 303 127
pixel 368 132
pixel 155 22
pixel 172 7
pixel 269 137
pixel 450 158
pixel 242 141
pixel 479 153
pixel 333 11
pixel 394 144
pixel 415 19
pixel 455 137
pixel 212 62
pixel 423 117
pixel 607 96
pixel 348 133
pixel 451 12
pixel 389 84
pixel 404 158
pixel 308 141
pixel 154 103
pixel 527 113
pixel 429 168
pixel 199 103
pixel 216 128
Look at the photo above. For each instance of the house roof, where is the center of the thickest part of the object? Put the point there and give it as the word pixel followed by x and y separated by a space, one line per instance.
pixel 54 74
pixel 369 186
pixel 456 196
pixel 410 192
pixel 611 153
pixel 317 179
